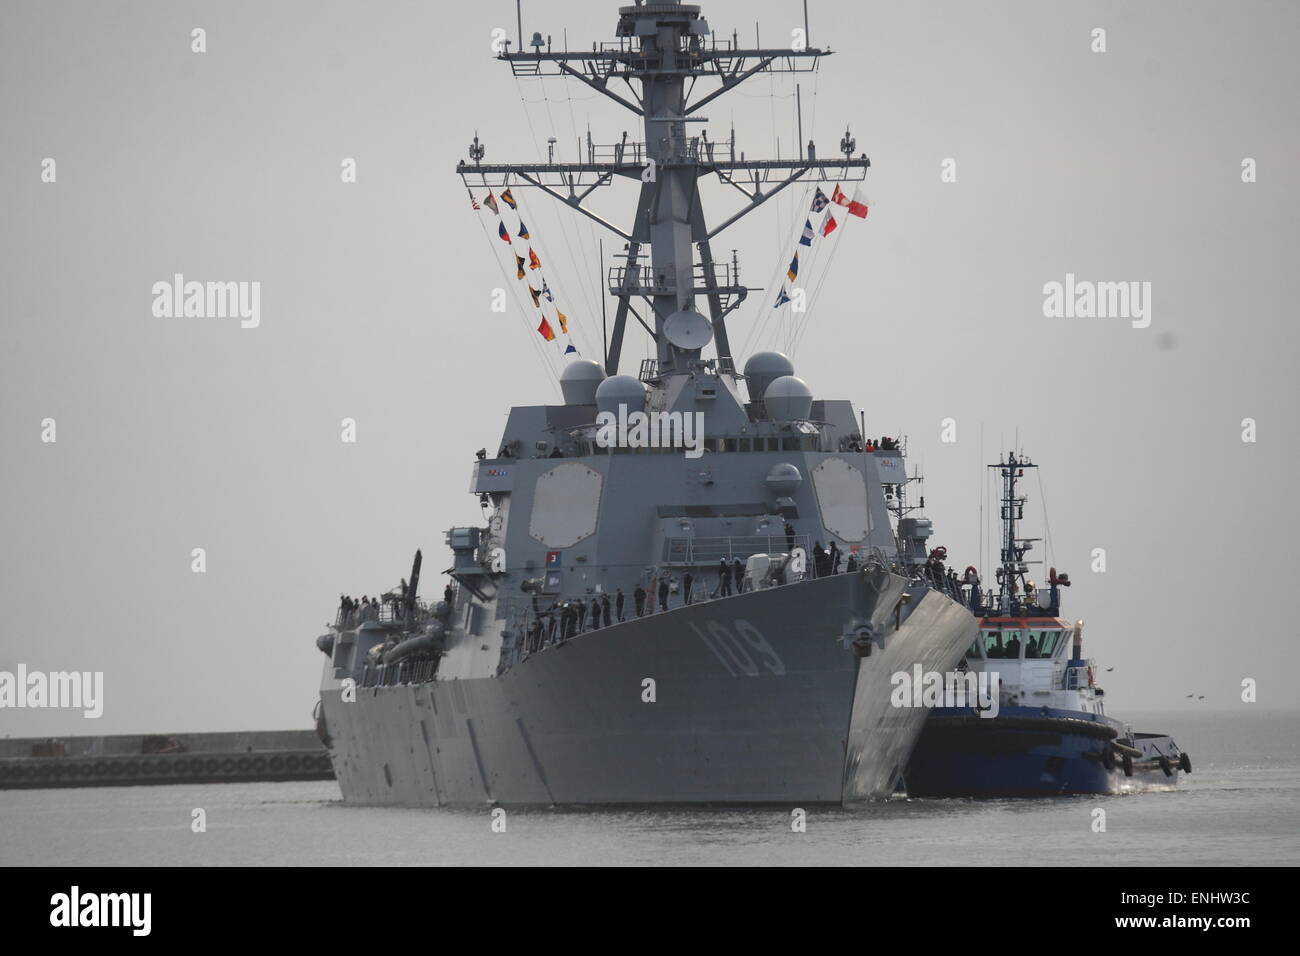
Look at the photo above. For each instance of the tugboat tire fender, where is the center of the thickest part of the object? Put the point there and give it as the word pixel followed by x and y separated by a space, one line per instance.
pixel 1166 766
pixel 1128 766
pixel 1185 763
pixel 1108 757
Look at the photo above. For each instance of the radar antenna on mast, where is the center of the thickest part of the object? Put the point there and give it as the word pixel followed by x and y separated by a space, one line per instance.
pixel 662 50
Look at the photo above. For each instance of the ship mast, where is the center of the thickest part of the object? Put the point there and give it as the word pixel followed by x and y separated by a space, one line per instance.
pixel 1013 566
pixel 663 49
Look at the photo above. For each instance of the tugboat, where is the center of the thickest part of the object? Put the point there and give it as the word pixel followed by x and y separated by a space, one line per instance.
pixel 1048 733
pixel 637 620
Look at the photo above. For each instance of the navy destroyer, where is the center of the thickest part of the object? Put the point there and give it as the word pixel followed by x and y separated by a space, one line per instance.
pixel 655 610
pixel 1050 734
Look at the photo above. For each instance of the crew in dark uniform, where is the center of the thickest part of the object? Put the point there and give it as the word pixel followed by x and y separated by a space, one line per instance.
pixel 738 571
pixel 580 614
pixel 595 613
pixel 687 581
pixel 638 599
pixel 604 608
pixel 618 604
pixel 663 593
pixel 724 578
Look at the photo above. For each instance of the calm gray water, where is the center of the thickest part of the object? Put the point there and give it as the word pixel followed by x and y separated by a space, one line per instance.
pixel 1241 806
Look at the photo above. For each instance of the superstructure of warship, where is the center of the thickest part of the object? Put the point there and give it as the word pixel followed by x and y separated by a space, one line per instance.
pixel 641 622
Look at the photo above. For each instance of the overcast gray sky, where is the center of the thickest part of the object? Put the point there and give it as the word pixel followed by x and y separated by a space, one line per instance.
pixel 180 433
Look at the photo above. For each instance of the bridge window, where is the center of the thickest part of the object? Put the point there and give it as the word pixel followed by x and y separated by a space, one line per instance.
pixel 1042 643
pixel 1008 644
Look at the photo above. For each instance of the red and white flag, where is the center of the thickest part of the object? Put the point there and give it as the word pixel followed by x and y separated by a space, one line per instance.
pixel 828 224
pixel 858 204
pixel 838 196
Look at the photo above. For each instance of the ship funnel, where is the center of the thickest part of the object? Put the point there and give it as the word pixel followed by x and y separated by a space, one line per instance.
pixel 579 382
pixel 788 399
pixel 764 368
pixel 620 390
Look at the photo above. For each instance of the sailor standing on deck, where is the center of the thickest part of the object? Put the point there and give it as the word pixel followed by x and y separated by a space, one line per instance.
pixel 724 578
pixel 604 608
pixel 618 604
pixel 638 599
pixel 687 581
pixel 595 613
pixel 738 570
pixel 663 593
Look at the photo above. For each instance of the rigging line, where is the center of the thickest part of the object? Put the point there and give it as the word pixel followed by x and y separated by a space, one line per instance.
pixel 979 552
pixel 785 317
pixel 547 356
pixel 577 262
pixel 560 286
pixel 821 281
pixel 812 136
pixel 545 99
pixel 1047 527
pixel 542 280
pixel 815 257
pixel 593 255
pixel 776 152
pixel 764 307
pixel 547 359
pixel 601 294
pixel 810 300
pixel 767 312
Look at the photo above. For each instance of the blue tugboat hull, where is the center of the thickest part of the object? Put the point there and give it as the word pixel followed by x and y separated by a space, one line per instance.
pixel 1030 752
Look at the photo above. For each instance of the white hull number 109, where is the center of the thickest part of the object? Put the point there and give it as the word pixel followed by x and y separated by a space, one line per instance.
pixel 742 652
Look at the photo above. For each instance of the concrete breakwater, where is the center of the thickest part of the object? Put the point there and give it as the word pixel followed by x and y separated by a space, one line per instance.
pixel 133 759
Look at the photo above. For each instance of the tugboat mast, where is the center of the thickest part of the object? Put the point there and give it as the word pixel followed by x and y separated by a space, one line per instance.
pixel 665 48
pixel 1013 567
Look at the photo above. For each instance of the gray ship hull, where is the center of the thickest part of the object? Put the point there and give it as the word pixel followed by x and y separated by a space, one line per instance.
pixel 754 698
